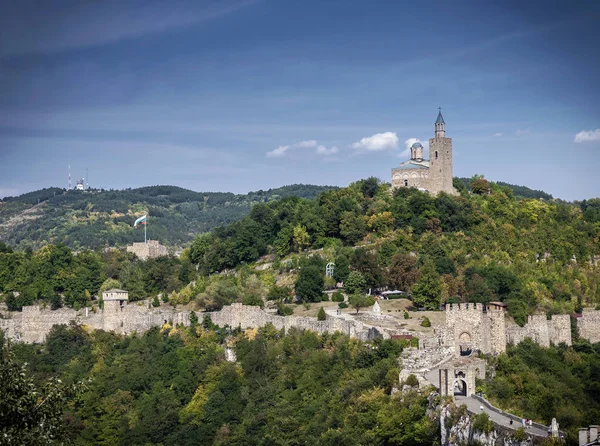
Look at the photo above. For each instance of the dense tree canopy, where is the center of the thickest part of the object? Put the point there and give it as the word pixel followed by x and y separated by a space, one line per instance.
pixel 173 387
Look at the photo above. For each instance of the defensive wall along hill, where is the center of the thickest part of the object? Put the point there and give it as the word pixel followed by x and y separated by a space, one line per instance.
pixel 34 323
pixel 468 327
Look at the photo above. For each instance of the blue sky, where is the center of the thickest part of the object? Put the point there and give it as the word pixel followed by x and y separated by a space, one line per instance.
pixel 247 95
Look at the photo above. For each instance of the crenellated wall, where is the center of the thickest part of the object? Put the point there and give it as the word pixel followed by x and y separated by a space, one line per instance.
pixel 542 331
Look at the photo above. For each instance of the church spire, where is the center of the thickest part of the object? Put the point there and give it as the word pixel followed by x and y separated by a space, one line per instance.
pixel 440 125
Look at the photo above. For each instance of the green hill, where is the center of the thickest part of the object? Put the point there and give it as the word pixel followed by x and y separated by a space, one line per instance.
pixel 105 217
pixel 518 191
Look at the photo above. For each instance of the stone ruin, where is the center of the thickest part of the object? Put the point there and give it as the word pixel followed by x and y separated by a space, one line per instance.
pixel 589 436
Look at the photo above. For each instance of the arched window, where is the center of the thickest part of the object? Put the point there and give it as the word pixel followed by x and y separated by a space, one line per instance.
pixel 436 155
pixel 406 183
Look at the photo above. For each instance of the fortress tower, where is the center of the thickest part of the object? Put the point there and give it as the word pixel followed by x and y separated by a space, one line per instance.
pixel 433 175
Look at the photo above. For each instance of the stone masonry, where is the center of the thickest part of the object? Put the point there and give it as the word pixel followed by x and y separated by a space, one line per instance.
pixel 475 326
pixel 542 331
pixel 149 250
pixel 34 323
pixel 481 327
pixel 589 325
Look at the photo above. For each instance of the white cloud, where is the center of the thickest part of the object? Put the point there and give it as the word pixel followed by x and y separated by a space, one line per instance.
pixel 322 150
pixel 377 142
pixel 522 132
pixel 588 136
pixel 306 144
pixel 278 152
pixel 497 135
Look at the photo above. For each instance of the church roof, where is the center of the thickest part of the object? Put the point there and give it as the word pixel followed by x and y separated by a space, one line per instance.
pixel 413 164
pixel 417 145
pixel 440 118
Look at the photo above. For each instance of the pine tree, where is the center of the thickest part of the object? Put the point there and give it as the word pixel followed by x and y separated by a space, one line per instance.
pixel 321 316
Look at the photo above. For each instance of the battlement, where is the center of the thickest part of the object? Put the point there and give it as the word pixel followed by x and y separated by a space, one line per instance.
pixel 475 307
pixel 149 250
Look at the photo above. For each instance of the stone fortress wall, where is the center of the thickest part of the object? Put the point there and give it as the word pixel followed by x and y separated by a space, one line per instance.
pixel 34 323
pixel 468 326
pixel 589 325
pixel 483 327
pixel 542 331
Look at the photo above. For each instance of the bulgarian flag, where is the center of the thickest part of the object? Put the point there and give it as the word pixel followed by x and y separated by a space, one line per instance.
pixel 140 221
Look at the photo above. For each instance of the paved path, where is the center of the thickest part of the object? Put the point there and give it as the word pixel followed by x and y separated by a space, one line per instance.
pixel 474 406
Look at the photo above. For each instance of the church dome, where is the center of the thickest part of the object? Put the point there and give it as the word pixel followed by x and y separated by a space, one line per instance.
pixel 417 145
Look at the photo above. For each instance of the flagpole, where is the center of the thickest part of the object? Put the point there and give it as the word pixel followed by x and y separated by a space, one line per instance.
pixel 145 224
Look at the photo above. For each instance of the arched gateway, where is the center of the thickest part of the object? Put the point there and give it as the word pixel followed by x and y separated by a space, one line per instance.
pixel 457 378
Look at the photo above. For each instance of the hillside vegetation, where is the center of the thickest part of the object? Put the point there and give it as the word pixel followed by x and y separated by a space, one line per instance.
pixel 531 254
pixel 105 218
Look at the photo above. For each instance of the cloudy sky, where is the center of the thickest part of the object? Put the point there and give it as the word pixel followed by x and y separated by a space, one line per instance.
pixel 247 95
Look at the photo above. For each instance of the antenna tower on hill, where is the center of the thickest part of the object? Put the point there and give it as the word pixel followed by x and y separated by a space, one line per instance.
pixel 87 178
pixel 69 186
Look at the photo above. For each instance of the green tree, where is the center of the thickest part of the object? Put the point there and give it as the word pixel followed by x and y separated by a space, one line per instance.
pixel 428 288
pixel 309 284
pixel 355 283
pixel 342 268
pixel 480 186
pixel 109 284
pixel 321 316
pixel 352 227
pixel 30 414
pixel 359 300
pixel 301 238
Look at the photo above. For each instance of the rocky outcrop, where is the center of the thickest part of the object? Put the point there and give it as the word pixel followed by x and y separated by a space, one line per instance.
pixel 457 428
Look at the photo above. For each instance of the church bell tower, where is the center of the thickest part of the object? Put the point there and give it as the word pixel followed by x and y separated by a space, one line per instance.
pixel 440 159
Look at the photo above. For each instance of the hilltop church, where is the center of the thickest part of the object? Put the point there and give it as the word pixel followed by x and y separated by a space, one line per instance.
pixel 433 175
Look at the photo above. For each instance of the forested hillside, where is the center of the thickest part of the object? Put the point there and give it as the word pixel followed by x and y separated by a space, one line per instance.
pixel 105 217
pixel 531 254
pixel 173 386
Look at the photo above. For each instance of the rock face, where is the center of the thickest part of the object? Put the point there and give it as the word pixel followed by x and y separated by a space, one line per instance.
pixel 460 432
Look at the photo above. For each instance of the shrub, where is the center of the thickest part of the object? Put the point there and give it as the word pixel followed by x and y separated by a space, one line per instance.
pixel 343 305
pixel 155 302
pixel 425 322
pixel 284 310
pixel 321 316
pixel 411 380
pixel 519 434
pixel 406 315
pixel 482 423
pixel 338 296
